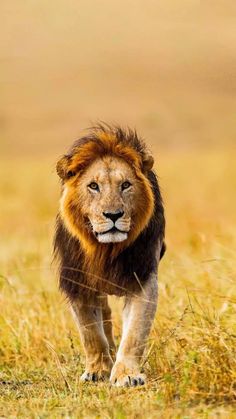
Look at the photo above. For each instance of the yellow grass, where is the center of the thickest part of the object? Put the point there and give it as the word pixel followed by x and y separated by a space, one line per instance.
pixel 191 356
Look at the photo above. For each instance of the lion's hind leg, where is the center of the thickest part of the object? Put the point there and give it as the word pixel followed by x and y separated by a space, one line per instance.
pixel 89 319
pixel 107 325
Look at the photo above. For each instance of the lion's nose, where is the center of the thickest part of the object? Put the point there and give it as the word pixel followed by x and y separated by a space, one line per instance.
pixel 114 215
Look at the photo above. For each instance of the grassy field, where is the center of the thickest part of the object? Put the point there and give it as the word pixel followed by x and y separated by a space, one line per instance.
pixel 191 356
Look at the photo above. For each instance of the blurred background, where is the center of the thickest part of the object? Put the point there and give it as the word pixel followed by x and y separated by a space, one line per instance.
pixel 166 67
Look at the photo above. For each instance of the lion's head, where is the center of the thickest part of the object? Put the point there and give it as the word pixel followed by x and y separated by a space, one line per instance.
pixel 107 197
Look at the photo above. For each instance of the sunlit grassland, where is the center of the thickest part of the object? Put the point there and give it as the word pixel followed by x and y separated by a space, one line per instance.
pixel 191 356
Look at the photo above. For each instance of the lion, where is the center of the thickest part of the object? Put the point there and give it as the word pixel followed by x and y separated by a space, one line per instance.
pixel 109 240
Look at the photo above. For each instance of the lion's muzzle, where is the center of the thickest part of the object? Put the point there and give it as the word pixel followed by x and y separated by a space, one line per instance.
pixel 113 229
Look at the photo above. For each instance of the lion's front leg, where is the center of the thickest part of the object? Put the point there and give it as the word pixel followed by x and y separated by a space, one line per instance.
pixel 90 323
pixel 138 315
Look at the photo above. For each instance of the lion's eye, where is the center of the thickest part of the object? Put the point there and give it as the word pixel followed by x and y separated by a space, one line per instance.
pixel 125 185
pixel 94 186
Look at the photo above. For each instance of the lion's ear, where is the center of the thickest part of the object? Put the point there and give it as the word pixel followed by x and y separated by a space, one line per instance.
pixel 63 168
pixel 148 161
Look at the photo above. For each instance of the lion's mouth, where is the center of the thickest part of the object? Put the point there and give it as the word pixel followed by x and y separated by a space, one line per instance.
pixel 114 235
pixel 112 230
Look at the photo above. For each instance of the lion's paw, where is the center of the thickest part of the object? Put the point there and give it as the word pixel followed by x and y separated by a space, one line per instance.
pixel 94 376
pixel 128 380
pixel 121 376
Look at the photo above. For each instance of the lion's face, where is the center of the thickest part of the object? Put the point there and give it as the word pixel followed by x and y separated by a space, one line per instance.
pixel 107 194
pixel 107 200
pixel 108 191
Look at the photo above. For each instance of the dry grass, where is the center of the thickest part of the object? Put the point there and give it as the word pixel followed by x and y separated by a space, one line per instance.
pixel 191 359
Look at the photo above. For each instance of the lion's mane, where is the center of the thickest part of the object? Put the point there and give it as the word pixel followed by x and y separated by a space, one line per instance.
pixel 85 265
